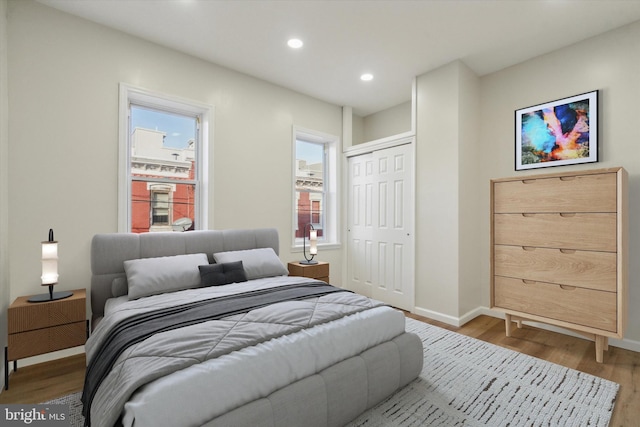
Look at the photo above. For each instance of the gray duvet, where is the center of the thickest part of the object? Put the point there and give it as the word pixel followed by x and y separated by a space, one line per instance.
pixel 169 352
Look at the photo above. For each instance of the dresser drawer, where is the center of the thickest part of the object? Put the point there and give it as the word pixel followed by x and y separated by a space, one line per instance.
pixel 39 341
pixel 595 231
pixel 587 269
pixel 587 307
pixel 584 193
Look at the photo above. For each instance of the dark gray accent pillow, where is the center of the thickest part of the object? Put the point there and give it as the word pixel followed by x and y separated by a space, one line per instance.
pixel 222 274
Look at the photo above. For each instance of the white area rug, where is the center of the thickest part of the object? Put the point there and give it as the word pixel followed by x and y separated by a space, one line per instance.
pixel 468 382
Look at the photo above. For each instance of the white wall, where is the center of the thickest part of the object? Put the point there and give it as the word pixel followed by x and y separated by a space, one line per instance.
pixel 382 124
pixel 446 218
pixel 469 199
pixel 63 127
pixel 357 129
pixel 392 121
pixel 4 179
pixel 437 182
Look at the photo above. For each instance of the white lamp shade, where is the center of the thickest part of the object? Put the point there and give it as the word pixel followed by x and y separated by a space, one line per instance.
pixel 313 242
pixel 49 271
pixel 49 263
pixel 49 250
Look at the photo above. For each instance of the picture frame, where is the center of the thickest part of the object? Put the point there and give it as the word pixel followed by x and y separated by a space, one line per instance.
pixel 557 133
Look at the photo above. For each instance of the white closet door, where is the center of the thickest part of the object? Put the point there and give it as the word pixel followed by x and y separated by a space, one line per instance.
pixel 381 221
pixel 360 228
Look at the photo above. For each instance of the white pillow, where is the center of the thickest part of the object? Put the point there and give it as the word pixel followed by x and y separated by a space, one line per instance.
pixel 257 263
pixel 151 276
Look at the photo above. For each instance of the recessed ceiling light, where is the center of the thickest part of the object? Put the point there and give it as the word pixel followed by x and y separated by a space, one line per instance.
pixel 295 43
pixel 366 77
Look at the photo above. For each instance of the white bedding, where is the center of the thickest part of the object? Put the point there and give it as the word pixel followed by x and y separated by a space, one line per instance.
pixel 236 378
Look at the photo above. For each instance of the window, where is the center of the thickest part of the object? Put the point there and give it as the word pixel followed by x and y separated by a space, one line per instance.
pixel 315 178
pixel 163 162
pixel 160 208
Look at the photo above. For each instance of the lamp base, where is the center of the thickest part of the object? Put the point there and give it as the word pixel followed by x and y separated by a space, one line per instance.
pixel 50 297
pixel 310 262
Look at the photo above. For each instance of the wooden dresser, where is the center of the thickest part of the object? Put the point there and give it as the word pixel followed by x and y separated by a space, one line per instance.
pixel 559 251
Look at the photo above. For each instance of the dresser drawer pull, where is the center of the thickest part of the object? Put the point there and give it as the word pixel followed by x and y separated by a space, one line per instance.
pixel 567 178
pixel 567 214
pixel 567 288
pixel 528 248
pixel 527 215
pixel 528 282
pixel 568 251
pixel 528 181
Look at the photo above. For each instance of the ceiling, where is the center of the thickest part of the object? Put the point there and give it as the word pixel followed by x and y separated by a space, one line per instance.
pixel 393 40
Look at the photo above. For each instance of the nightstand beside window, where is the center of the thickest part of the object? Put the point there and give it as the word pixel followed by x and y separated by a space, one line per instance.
pixel 39 328
pixel 318 271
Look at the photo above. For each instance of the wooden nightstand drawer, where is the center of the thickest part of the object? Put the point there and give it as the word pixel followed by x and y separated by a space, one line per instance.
pixel 39 341
pixel 41 327
pixel 25 316
pixel 318 271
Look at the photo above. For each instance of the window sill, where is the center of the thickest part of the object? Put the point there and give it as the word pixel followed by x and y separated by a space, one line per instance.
pixel 321 247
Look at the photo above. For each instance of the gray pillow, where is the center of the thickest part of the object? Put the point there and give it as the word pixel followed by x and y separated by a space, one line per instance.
pixel 119 287
pixel 257 263
pixel 222 274
pixel 151 276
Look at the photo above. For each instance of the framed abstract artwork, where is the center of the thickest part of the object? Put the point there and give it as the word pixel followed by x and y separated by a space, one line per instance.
pixel 558 133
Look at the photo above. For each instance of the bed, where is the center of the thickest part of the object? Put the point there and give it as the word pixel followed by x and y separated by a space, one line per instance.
pixel 205 328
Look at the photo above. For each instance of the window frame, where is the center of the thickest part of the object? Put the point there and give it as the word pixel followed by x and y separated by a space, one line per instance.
pixel 171 104
pixel 166 190
pixel 330 216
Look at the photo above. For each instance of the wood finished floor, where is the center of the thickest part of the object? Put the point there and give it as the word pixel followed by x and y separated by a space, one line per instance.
pixel 45 381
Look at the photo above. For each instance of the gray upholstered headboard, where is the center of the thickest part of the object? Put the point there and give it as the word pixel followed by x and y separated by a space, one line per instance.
pixel 109 251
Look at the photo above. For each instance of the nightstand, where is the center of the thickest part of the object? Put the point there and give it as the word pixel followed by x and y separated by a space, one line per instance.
pixel 318 271
pixel 43 327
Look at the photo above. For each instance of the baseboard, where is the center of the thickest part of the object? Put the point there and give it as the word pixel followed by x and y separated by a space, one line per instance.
pixel 434 315
pixel 626 343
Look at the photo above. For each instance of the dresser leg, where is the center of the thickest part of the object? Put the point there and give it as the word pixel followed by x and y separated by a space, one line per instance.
pixel 602 344
pixel 508 324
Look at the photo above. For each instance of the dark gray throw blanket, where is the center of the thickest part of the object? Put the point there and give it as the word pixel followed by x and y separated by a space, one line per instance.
pixel 139 327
